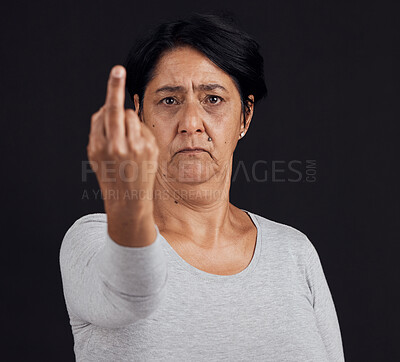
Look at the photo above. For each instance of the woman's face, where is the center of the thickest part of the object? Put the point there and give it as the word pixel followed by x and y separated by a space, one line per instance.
pixel 189 100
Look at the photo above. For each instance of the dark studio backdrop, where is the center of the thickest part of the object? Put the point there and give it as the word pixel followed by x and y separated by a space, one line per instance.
pixel 320 154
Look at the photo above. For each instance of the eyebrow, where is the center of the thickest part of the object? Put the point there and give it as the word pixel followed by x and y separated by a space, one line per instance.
pixel 203 87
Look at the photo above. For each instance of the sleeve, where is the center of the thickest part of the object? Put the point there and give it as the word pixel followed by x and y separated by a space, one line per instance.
pixel 324 308
pixel 107 284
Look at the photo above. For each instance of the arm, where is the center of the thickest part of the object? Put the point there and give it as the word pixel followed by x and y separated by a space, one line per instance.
pixel 324 308
pixel 108 284
pixel 114 273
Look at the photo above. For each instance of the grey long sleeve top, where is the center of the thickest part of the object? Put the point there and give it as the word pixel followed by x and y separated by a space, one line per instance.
pixel 148 304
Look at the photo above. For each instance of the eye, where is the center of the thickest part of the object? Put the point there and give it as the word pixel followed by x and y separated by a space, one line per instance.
pixel 168 101
pixel 214 99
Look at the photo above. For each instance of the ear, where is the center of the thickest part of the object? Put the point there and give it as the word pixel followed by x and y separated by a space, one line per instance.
pixel 248 116
pixel 136 102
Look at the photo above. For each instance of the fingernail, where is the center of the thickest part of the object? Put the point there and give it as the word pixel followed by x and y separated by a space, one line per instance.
pixel 118 72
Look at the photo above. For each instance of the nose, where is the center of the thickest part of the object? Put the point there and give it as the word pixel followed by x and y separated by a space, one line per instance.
pixel 190 121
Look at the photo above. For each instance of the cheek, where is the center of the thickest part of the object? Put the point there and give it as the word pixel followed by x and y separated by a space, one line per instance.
pixel 163 129
pixel 226 125
pixel 164 135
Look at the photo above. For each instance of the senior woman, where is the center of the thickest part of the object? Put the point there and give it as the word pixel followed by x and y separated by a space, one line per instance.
pixel 173 271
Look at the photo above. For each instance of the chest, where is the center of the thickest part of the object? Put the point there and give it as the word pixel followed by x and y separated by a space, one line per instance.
pixel 225 260
pixel 196 322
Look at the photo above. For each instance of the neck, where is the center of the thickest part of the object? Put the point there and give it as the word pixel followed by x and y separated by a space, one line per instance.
pixel 201 209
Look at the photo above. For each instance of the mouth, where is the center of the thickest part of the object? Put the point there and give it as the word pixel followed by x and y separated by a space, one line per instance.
pixel 192 150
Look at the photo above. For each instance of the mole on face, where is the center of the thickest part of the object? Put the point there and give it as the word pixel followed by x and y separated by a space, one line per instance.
pixel 176 202
pixel 153 125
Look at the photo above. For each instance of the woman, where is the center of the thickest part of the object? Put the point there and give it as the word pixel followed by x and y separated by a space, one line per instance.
pixel 173 271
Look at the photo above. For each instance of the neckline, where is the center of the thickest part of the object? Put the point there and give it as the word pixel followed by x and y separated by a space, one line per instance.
pixel 216 277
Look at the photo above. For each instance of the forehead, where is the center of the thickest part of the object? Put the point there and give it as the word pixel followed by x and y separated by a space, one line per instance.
pixel 186 66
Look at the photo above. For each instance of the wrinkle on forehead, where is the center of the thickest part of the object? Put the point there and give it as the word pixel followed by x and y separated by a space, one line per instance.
pixel 197 67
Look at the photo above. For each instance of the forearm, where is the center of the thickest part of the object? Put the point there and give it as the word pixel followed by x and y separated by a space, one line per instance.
pixel 132 227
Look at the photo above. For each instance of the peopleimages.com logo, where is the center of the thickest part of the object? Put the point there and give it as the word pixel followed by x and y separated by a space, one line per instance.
pixel 127 171
pixel 257 171
pixel 275 171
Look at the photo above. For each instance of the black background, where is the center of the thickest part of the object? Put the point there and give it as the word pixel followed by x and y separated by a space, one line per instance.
pixel 333 95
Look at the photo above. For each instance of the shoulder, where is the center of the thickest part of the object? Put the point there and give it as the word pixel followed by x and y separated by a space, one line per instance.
pixel 89 220
pixel 86 234
pixel 282 238
pixel 87 224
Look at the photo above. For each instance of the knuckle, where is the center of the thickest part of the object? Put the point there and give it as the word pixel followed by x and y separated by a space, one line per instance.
pixel 132 145
pixel 90 152
pixel 94 117
pixel 138 147
pixel 131 118
pixel 112 108
pixel 116 149
pixel 94 148
pixel 90 143
pixel 152 141
pixel 148 146
pixel 94 124
pixel 151 149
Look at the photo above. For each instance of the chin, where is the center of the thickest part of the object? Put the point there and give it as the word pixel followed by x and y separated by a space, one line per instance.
pixel 191 180
pixel 195 173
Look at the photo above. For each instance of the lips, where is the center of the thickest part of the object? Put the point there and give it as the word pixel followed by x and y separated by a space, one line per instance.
pixel 188 149
pixel 192 150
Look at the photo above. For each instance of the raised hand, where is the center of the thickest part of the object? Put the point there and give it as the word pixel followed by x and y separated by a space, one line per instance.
pixel 123 153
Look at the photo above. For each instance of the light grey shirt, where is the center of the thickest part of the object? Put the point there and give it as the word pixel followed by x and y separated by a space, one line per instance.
pixel 148 304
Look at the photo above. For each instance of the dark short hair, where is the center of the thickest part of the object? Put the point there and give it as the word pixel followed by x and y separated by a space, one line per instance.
pixel 217 37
